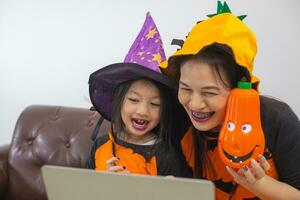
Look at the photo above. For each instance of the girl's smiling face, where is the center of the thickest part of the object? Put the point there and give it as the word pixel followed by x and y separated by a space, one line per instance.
pixel 203 94
pixel 140 111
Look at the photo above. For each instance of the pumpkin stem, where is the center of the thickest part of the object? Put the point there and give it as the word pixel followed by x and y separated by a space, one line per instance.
pixel 244 85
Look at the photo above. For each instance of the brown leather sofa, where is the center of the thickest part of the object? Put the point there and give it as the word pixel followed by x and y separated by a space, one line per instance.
pixel 44 135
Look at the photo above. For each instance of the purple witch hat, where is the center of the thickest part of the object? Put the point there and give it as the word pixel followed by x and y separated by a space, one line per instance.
pixel 142 61
pixel 147 49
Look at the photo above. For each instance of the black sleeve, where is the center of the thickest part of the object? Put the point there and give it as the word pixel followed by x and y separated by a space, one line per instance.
pixel 172 162
pixel 282 131
pixel 90 163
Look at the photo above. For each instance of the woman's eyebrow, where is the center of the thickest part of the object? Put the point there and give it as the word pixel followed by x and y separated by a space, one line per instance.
pixel 211 88
pixel 203 88
pixel 182 83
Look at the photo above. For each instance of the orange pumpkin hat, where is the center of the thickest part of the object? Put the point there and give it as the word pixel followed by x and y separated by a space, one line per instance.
pixel 224 28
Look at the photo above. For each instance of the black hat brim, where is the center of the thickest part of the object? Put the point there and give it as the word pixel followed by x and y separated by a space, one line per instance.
pixel 103 82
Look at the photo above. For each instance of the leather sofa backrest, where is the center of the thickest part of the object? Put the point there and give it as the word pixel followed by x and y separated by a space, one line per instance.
pixel 47 135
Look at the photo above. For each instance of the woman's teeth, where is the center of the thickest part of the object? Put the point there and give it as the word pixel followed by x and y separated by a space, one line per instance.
pixel 201 115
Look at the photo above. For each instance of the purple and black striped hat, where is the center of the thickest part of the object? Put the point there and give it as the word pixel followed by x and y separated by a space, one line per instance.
pixel 142 61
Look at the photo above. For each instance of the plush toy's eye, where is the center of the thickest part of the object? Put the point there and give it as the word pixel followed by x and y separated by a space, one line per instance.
pixel 230 126
pixel 246 128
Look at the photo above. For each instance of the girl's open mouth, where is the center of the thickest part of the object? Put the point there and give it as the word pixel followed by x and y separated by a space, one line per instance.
pixel 140 124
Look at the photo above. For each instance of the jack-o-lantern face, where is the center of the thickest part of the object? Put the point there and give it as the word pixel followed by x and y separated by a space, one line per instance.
pixel 241 137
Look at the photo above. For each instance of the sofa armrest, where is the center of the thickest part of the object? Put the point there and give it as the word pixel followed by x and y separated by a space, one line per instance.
pixel 3 169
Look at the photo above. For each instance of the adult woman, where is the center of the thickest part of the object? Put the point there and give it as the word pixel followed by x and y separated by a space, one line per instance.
pixel 218 53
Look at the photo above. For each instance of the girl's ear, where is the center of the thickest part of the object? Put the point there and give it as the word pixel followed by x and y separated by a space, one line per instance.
pixel 243 79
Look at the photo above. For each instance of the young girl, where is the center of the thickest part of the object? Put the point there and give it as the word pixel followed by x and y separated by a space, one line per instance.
pixel 217 54
pixel 141 104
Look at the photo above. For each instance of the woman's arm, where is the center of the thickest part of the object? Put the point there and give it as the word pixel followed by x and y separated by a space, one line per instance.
pixel 282 134
pixel 269 188
pixel 263 186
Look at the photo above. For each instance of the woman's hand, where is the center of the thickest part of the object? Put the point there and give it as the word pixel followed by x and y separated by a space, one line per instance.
pixel 260 184
pixel 111 166
pixel 248 176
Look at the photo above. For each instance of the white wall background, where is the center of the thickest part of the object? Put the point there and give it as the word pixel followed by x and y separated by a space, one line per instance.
pixel 48 48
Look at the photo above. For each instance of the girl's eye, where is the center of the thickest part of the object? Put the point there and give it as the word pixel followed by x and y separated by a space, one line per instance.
pixel 231 126
pixel 246 128
pixel 155 104
pixel 133 100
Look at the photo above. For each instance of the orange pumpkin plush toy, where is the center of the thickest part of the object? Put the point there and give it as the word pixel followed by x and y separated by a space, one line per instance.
pixel 241 137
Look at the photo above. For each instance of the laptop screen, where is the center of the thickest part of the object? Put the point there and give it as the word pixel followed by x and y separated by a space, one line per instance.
pixel 63 183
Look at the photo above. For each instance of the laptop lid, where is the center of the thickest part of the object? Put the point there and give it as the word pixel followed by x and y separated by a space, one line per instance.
pixel 64 183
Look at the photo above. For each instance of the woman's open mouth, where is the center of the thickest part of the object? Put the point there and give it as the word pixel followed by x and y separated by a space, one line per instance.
pixel 201 116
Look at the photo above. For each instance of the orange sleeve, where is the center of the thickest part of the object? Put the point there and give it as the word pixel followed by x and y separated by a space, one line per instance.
pixel 103 153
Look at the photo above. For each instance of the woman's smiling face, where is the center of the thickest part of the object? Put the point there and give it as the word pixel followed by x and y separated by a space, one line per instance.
pixel 203 94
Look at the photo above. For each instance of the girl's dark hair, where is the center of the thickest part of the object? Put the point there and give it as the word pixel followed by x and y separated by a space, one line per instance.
pixel 221 58
pixel 164 129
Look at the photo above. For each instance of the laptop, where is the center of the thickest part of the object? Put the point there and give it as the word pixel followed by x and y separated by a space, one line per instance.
pixel 64 183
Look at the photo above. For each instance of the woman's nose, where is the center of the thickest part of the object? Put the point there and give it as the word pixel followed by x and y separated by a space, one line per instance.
pixel 197 102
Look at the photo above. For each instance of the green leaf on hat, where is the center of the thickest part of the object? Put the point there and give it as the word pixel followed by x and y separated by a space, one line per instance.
pixel 241 17
pixel 219 9
pixel 224 8
pixel 211 15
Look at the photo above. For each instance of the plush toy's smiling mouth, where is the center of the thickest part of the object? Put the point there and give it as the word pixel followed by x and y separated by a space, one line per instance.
pixel 239 159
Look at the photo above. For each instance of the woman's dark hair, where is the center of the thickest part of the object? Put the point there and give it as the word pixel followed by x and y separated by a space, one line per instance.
pixel 221 58
pixel 164 129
